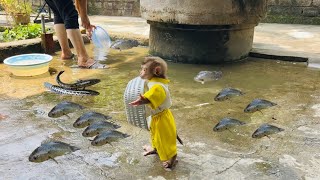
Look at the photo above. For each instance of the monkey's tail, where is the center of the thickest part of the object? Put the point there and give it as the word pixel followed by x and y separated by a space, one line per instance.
pixel 180 141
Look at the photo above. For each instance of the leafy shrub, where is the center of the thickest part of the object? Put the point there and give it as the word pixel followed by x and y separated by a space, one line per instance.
pixel 22 32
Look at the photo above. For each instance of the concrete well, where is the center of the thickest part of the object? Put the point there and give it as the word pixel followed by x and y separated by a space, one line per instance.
pixel 206 31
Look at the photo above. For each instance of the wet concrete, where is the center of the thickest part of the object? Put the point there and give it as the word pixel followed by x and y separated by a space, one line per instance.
pixel 292 154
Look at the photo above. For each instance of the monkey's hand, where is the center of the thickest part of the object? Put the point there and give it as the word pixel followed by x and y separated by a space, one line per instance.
pixel 141 100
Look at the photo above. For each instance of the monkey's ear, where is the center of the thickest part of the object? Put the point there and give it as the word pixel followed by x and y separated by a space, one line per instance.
pixel 157 71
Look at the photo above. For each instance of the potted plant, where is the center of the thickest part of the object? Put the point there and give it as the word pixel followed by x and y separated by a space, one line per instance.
pixel 19 10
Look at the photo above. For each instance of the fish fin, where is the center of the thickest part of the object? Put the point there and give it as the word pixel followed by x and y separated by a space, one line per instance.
pixel 74 148
pixel 260 111
pixel 68 116
pixel 110 144
pixel 48 141
pixel 54 160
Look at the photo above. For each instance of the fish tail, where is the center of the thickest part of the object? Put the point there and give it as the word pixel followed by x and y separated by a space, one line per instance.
pixel 47 85
pixel 116 126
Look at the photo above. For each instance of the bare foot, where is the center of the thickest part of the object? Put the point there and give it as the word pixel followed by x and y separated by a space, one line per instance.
pixel 67 56
pixel 170 164
pixel 148 150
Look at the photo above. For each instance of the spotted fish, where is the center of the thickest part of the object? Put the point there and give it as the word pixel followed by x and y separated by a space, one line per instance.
pixel 61 90
pixel 227 93
pixel 64 108
pixel 258 104
pixel 50 150
pixel 227 123
pixel 98 127
pixel 265 130
pixel 108 137
pixel 88 118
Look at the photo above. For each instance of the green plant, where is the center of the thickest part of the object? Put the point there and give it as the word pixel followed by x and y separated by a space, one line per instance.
pixel 22 32
pixel 12 7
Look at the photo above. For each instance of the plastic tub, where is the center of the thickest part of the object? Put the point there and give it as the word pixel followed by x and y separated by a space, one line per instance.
pixel 28 64
pixel 101 38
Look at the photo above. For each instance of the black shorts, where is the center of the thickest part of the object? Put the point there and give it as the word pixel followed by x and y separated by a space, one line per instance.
pixel 64 13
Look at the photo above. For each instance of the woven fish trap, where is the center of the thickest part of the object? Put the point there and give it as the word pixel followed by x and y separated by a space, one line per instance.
pixel 136 115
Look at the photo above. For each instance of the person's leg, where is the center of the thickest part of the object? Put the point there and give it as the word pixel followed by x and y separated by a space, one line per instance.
pixel 60 30
pixel 63 41
pixel 78 44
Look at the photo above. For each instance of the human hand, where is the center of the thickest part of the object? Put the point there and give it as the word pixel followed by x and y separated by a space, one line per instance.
pixel 141 100
pixel 88 26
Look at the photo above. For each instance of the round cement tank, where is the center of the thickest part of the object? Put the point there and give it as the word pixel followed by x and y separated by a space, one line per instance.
pixel 205 31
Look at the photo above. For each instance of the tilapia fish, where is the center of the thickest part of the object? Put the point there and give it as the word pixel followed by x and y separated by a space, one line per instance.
pixel 98 127
pixel 88 118
pixel 108 137
pixel 80 84
pixel 257 105
pixel 123 44
pixel 227 93
pixel 227 123
pixel 50 150
pixel 205 76
pixel 64 108
pixel 265 130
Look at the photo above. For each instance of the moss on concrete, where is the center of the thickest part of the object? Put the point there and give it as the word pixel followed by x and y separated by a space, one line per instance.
pixel 289 19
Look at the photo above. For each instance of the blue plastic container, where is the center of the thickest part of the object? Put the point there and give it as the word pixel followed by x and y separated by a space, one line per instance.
pixel 101 38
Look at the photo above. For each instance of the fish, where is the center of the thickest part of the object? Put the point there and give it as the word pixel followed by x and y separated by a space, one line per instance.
pixel 98 127
pixel 108 137
pixel 80 84
pixel 227 123
pixel 61 90
pixel 265 130
pixel 205 76
pixel 123 44
pixel 227 93
pixel 64 108
pixel 258 104
pixel 50 150
pixel 88 118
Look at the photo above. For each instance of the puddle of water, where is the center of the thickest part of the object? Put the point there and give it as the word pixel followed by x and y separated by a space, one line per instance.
pixel 293 86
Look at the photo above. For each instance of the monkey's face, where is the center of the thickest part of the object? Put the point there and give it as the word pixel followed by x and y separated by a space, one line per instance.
pixel 146 72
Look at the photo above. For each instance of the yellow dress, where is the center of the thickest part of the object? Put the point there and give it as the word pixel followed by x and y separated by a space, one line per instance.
pixel 163 128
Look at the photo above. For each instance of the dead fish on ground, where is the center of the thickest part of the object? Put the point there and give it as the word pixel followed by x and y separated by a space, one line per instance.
pixel 123 44
pixel 50 150
pixel 265 130
pixel 88 118
pixel 227 123
pixel 61 90
pixel 64 108
pixel 80 84
pixel 108 137
pixel 258 104
pixel 205 76
pixel 98 127
pixel 227 93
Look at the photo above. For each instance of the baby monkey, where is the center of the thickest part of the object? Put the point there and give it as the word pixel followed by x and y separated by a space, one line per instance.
pixel 162 128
